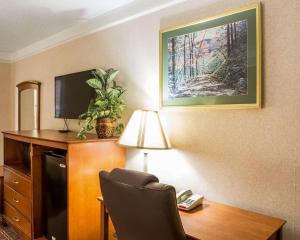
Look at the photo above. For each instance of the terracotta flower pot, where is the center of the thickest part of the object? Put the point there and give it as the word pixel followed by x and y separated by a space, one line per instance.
pixel 105 127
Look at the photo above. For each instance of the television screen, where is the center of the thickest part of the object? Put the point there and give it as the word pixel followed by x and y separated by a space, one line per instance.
pixel 72 94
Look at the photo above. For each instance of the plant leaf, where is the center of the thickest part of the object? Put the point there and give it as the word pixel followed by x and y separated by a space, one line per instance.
pixel 107 102
pixel 94 83
pixel 112 75
pixel 101 72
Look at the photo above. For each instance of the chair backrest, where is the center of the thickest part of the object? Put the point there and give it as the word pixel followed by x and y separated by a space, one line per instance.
pixel 140 207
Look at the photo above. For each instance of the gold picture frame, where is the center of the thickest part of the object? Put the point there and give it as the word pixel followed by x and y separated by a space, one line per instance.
pixel 251 13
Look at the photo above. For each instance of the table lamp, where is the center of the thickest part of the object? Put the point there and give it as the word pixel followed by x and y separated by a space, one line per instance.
pixel 145 131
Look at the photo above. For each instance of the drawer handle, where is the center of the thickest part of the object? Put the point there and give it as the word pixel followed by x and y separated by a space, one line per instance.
pixel 16 200
pixel 62 165
pixel 15 182
pixel 16 219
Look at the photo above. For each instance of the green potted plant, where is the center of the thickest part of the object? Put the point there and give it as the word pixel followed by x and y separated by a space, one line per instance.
pixel 106 107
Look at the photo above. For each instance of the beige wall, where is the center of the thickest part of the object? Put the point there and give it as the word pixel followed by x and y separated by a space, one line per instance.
pixel 6 102
pixel 247 158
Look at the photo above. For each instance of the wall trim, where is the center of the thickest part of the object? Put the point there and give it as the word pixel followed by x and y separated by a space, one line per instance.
pixel 112 18
pixel 5 57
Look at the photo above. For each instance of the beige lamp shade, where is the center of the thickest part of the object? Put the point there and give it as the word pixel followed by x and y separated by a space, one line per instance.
pixel 144 130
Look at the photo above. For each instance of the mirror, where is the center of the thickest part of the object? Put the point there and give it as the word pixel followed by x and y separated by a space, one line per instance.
pixel 29 105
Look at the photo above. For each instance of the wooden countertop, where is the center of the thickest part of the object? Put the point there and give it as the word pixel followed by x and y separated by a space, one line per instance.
pixel 217 221
pixel 56 136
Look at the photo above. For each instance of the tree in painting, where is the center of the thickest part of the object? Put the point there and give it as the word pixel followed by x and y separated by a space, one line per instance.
pixel 211 62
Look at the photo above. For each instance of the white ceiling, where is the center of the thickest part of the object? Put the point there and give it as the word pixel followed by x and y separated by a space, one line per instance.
pixel 23 22
pixel 31 26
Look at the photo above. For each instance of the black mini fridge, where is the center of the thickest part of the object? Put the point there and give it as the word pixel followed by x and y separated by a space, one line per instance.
pixel 55 195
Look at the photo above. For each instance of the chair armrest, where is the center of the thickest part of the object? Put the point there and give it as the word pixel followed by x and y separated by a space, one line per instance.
pixel 191 238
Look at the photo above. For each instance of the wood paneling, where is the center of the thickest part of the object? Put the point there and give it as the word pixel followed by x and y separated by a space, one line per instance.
pixel 15 153
pixel 15 218
pixel 17 182
pixel 18 201
pixel 37 186
pixel 84 163
pixel 1 188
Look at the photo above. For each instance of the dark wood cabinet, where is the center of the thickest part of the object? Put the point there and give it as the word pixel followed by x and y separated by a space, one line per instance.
pixel 23 180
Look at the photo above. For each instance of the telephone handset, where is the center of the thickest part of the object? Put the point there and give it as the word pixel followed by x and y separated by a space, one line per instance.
pixel 186 200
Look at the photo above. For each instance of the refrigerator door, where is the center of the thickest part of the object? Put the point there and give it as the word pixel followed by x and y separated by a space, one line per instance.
pixel 55 196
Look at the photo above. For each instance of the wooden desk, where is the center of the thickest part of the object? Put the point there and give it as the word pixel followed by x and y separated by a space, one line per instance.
pixel 217 221
pixel 213 221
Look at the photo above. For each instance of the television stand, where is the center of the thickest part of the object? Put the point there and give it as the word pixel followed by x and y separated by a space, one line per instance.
pixel 23 173
pixel 66 128
pixel 64 131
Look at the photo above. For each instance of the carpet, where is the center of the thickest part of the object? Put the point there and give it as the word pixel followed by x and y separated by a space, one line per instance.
pixel 7 233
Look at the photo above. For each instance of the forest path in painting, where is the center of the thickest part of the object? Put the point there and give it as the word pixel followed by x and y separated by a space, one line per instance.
pixel 211 85
pixel 206 85
pixel 210 62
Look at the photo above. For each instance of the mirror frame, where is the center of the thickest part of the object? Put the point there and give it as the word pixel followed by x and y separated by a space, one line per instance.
pixel 29 85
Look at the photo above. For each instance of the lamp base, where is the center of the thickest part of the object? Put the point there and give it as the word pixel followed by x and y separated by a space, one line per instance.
pixel 145 162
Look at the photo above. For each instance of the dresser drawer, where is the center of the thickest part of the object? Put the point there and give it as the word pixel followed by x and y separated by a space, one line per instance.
pixel 15 218
pixel 17 182
pixel 18 201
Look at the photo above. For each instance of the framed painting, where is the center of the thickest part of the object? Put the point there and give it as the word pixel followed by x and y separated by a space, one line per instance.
pixel 213 63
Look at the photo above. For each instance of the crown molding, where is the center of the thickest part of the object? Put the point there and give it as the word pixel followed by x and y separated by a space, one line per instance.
pixel 112 18
pixel 5 57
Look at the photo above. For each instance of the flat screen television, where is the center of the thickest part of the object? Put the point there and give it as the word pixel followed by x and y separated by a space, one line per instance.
pixel 72 94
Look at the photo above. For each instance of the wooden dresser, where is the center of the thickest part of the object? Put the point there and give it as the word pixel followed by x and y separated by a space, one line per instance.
pixel 1 188
pixel 23 188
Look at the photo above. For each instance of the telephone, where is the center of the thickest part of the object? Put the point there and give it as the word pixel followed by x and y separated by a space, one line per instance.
pixel 187 201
